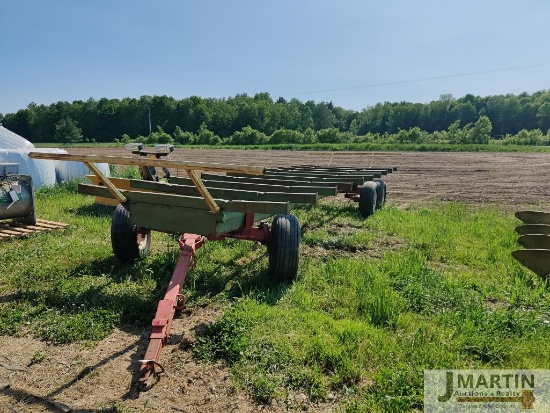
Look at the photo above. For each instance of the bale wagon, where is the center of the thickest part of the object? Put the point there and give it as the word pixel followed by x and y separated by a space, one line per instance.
pixel 213 207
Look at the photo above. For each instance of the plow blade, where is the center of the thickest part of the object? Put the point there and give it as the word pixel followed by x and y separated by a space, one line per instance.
pixel 537 260
pixel 533 217
pixel 529 229
pixel 535 238
pixel 535 241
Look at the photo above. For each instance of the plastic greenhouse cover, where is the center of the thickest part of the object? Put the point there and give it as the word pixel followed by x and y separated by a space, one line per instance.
pixel 46 172
pixel 11 140
pixel 15 149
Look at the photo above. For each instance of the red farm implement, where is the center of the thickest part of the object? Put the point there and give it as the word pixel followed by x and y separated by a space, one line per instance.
pixel 225 201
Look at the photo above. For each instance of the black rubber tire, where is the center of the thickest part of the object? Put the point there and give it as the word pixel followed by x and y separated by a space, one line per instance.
pixel 380 193
pixel 128 241
pixel 284 247
pixel 368 199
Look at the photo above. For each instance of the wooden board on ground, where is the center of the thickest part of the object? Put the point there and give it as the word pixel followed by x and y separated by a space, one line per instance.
pixel 11 229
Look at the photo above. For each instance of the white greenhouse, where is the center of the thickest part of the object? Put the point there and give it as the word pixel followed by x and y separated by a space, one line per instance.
pixel 15 149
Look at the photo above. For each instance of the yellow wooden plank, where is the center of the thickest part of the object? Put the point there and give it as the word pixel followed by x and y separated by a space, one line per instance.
pixel 203 191
pixel 120 183
pixel 142 161
pixel 12 229
pixel 9 232
pixel 20 229
pixel 58 224
pixel 41 225
pixel 112 189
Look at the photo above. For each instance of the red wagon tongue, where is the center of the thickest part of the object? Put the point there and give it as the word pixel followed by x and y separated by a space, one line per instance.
pixel 172 301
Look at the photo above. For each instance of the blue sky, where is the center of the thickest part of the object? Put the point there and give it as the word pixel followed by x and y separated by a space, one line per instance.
pixel 351 52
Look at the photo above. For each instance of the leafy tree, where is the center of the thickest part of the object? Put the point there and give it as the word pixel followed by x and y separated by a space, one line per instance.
pixel 159 136
pixel 403 115
pixel 309 136
pixel 437 137
pixel 465 112
pixel 67 131
pixel 286 136
pixel 207 137
pixel 328 135
pixel 526 137
pixel 248 136
pixel 413 135
pixel 108 119
pixel 323 116
pixel 481 131
pixel 543 116
pixel 183 137
pixel 457 135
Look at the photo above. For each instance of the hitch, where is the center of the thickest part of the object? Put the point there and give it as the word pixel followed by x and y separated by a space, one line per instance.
pixel 173 300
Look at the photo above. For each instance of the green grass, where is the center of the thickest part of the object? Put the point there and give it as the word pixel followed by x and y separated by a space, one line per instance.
pixel 66 286
pixel 375 303
pixel 427 287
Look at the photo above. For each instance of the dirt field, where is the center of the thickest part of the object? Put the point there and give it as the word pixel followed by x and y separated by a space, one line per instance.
pixel 88 379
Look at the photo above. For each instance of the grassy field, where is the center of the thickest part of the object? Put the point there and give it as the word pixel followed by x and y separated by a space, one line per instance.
pixel 375 303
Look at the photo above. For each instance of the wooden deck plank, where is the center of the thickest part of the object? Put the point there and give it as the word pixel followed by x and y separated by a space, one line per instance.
pixel 141 161
pixel 12 229
pixel 21 229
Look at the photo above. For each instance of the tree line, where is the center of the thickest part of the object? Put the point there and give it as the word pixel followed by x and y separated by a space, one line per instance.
pixel 257 119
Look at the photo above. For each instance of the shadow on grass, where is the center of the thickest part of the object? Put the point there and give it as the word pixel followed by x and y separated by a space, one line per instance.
pixel 244 275
pixel 107 294
pixel 108 266
pixel 94 210
pixel 322 215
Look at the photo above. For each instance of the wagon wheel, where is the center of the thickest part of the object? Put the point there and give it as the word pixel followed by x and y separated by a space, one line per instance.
pixel 129 242
pixel 368 199
pixel 380 193
pixel 284 247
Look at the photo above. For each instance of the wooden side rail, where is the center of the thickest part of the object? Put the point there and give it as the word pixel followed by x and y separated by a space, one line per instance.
pixel 189 167
pixel 142 161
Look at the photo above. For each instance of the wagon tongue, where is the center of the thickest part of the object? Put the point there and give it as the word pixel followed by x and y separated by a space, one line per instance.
pixel 173 300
